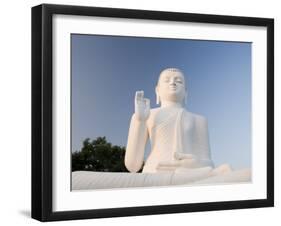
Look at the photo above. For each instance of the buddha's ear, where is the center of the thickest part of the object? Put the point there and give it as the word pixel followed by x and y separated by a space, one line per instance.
pixel 157 95
pixel 185 97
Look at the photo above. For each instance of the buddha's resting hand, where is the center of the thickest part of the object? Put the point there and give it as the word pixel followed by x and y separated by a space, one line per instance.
pixel 181 160
pixel 180 155
pixel 186 160
pixel 142 106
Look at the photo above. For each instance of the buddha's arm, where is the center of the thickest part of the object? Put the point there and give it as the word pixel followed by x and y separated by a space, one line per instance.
pixel 137 139
pixel 202 146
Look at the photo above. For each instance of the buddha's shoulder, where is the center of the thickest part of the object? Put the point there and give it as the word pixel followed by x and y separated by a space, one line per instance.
pixel 197 118
pixel 195 115
pixel 154 110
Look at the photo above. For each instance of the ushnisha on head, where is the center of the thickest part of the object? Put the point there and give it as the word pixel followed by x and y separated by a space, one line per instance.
pixel 171 87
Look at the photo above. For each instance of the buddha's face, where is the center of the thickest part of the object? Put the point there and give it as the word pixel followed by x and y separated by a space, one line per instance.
pixel 171 86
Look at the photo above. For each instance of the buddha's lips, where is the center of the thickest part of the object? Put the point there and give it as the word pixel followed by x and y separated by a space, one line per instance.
pixel 173 88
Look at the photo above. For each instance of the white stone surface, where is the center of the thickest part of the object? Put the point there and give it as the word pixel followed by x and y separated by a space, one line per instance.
pixel 84 180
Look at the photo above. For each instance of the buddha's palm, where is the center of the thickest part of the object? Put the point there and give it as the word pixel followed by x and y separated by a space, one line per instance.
pixel 142 106
pixel 181 160
pixel 186 160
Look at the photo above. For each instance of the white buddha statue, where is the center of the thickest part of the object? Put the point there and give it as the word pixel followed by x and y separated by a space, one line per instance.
pixel 179 138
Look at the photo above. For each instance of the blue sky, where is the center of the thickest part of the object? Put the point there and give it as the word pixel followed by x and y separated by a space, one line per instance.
pixel 108 70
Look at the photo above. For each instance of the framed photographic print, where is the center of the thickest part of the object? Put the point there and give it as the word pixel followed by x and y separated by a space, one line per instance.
pixel 145 112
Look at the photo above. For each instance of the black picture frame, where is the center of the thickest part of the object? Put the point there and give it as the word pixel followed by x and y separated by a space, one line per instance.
pixel 42 106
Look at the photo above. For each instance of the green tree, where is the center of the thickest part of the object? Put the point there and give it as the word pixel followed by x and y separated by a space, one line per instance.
pixel 99 155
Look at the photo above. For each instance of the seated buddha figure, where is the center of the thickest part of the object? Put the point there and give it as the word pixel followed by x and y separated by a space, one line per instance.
pixel 179 138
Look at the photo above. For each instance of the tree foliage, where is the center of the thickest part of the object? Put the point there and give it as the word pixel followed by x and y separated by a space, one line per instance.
pixel 99 155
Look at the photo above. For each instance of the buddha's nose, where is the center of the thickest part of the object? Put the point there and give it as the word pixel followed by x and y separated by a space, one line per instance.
pixel 172 82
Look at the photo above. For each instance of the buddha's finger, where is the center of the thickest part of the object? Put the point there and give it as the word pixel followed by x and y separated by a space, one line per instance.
pixel 147 102
pixel 139 95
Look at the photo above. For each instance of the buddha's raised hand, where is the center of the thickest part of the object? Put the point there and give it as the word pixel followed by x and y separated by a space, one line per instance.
pixel 142 106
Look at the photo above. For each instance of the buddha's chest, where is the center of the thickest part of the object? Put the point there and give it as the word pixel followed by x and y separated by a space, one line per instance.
pixel 171 122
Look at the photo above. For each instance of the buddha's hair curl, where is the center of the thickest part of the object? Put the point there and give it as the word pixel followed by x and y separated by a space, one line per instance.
pixel 171 69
